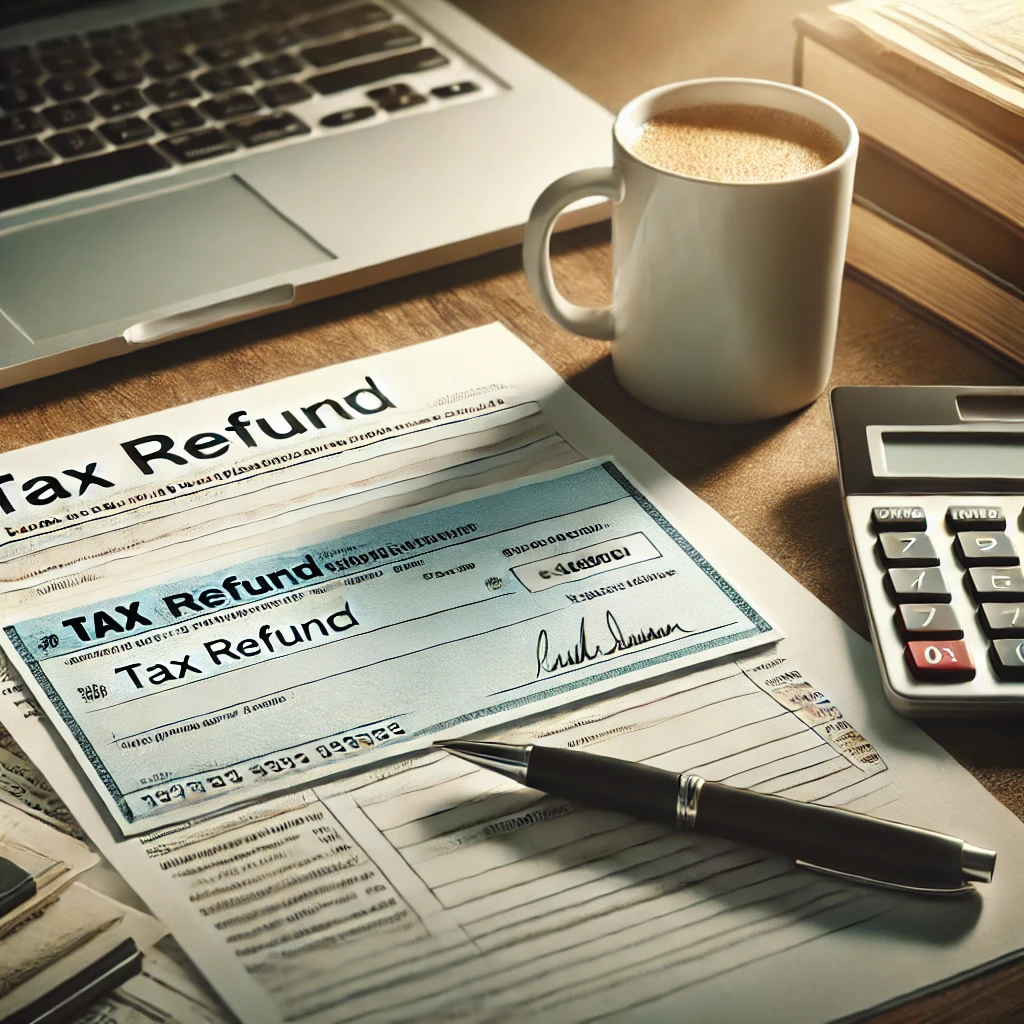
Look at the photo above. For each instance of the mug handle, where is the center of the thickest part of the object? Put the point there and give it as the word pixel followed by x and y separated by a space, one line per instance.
pixel 590 321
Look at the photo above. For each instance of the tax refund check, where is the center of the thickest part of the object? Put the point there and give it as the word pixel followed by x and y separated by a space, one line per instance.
pixel 279 665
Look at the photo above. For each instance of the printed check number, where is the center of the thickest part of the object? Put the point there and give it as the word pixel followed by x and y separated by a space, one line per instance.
pixel 245 678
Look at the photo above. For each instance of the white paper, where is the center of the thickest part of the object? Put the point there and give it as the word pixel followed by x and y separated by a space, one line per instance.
pixel 864 948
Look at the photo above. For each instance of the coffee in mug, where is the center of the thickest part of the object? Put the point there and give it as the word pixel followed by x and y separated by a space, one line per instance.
pixel 730 206
pixel 735 142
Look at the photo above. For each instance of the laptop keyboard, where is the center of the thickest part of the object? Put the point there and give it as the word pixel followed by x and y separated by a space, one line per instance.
pixel 80 112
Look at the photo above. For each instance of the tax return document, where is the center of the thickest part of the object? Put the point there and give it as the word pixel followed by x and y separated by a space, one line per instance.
pixel 451 539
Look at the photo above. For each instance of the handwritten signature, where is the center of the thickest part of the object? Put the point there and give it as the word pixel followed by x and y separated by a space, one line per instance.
pixel 582 651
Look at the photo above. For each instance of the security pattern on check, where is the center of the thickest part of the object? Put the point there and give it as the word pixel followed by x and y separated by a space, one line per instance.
pixel 241 678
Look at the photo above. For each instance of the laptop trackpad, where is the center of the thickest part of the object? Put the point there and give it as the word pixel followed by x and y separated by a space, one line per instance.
pixel 137 257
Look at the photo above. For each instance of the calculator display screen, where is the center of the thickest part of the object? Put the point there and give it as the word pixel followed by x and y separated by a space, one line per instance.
pixel 910 453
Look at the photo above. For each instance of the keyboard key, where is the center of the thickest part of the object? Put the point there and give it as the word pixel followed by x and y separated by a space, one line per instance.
pixel 60 43
pixel 69 115
pixel 18 66
pixel 985 549
pixel 115 33
pixel 973 517
pixel 16 126
pixel 361 46
pixel 1007 657
pixel 117 51
pixel 61 179
pixel 165 94
pixel 229 52
pixel 258 131
pixel 166 40
pixel 928 622
pixel 161 23
pixel 899 517
pixel 169 65
pixel 21 96
pixel 444 92
pixel 947 661
pixel 119 78
pixel 342 117
pixel 908 549
pixel 1003 620
pixel 996 584
pixel 234 105
pixel 398 97
pixel 276 67
pixel 278 38
pixel 376 70
pixel 284 94
pixel 178 119
pixel 75 143
pixel 917 585
pixel 346 20
pixel 198 145
pixel 130 129
pixel 69 87
pixel 210 34
pixel 224 79
pixel 118 103
pixel 17 156
pixel 67 62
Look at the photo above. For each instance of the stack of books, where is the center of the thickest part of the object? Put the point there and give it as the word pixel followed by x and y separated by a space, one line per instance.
pixel 936 88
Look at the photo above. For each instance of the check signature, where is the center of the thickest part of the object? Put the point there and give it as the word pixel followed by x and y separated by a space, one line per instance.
pixel 583 650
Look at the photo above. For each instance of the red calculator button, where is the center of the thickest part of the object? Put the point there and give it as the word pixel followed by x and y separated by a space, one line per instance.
pixel 944 661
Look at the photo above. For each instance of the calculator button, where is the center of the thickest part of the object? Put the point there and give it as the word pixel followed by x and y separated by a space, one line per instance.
pixel 1006 659
pixel 975 517
pixel 904 517
pixel 995 584
pixel 1003 620
pixel 906 585
pixel 985 549
pixel 929 622
pixel 947 661
pixel 908 549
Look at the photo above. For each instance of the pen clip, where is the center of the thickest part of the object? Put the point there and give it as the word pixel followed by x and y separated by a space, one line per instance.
pixel 923 890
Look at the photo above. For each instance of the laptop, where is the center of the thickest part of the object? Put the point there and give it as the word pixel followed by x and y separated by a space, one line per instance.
pixel 171 165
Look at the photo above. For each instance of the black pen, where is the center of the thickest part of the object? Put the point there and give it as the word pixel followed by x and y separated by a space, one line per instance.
pixel 827 839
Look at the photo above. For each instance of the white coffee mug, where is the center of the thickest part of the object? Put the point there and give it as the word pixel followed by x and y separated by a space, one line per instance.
pixel 726 294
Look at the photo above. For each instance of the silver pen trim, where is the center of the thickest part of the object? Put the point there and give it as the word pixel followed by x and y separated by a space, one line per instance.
pixel 977 864
pixel 687 800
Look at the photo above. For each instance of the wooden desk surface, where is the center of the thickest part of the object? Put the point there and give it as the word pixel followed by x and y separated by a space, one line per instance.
pixel 774 481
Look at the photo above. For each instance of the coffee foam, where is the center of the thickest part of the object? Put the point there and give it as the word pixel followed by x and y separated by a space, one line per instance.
pixel 735 143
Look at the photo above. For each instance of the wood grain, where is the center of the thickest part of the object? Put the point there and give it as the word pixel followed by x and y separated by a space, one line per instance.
pixel 775 481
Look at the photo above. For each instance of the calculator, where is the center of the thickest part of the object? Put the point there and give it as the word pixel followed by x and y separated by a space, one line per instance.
pixel 932 480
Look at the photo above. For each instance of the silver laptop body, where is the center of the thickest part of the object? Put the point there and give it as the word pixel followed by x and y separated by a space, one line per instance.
pixel 169 166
